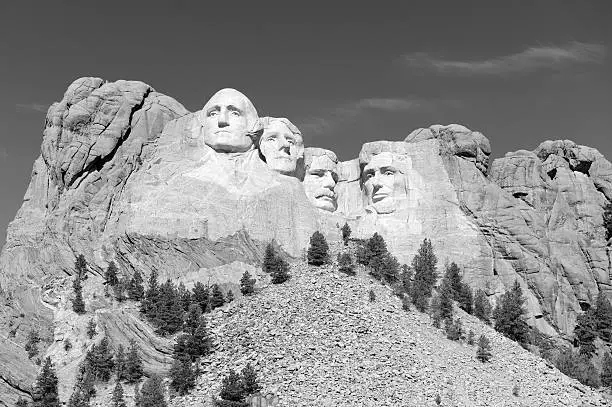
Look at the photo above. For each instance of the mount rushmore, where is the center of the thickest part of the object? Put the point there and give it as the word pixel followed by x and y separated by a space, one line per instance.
pixel 127 174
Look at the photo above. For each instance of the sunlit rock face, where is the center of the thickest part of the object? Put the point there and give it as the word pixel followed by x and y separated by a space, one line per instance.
pixel 128 175
pixel 281 145
pixel 320 178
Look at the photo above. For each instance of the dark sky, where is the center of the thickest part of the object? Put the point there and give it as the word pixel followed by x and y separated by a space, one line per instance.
pixel 520 72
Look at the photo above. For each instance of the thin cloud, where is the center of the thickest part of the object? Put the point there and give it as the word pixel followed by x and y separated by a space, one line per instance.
pixel 3 153
pixel 37 107
pixel 348 111
pixel 530 60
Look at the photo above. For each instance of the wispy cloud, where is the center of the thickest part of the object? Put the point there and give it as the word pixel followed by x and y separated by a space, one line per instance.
pixel 3 153
pixel 37 107
pixel 348 111
pixel 530 60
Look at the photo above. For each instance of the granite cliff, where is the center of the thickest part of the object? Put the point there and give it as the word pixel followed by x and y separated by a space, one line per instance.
pixel 127 174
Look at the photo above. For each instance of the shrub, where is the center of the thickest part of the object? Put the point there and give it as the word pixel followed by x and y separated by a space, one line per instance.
pixel 120 363
pixel 280 274
pixel 217 298
pixel 21 402
pixel 515 390
pixel 606 371
pixel 67 344
pixel 183 376
pixel 250 384
pixel 91 329
pixel 247 284
pixel 603 318
pixel 454 329
pixel 31 345
pixel 318 251
pixel 607 219
pixel 345 264
pixel 372 296
pixel 405 303
pixel 78 305
pixel 482 307
pixel 229 297
pixel 470 338
pixel 346 233
pixel 586 332
pixel 579 367
pixel 483 353
pixel 231 387
pixel 269 262
pixel 406 278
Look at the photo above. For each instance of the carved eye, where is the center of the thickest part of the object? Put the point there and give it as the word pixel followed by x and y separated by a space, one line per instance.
pixel 389 172
pixel 235 113
pixel 212 113
pixel 369 175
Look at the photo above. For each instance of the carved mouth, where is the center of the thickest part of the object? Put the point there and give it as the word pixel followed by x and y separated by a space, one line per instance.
pixel 379 197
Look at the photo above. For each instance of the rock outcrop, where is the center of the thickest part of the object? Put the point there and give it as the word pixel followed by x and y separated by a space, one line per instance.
pixel 128 175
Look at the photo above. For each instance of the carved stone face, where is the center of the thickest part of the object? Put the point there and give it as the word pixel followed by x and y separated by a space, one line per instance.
pixel 383 183
pixel 320 181
pixel 228 117
pixel 281 147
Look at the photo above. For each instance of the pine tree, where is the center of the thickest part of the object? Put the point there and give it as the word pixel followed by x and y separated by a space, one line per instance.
pixel 346 233
pixel 406 278
pixel 586 332
pixel 84 387
pixel 454 329
pixel 78 398
pixel 101 360
pixel 376 248
pixel 483 353
pixel 445 302
pixel 111 274
pixel 135 287
pixel 120 363
pixel 345 264
pixel 280 274
pixel 229 296
pixel 607 220
pixel 184 296
pixel 200 295
pixel 182 376
pixel 78 305
pixel 247 284
pixel 509 315
pixel 91 329
pixel 424 266
pixel 119 290
pixel 318 251
pixel 269 262
pixel 117 400
pixel 470 337
pixel 579 367
pixel 193 345
pixel 80 264
pixel 31 345
pixel 168 317
pixel 151 299
pixel 250 384
pixel 152 393
pixel 452 278
pixel 45 392
pixel 465 298
pixel 231 387
pixel 603 318
pixel 606 371
pixel 482 307
pixel 192 318
pixel 133 364
pixel 217 298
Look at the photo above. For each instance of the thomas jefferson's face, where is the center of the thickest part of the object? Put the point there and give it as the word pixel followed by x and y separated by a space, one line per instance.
pixel 281 147
pixel 228 117
pixel 382 181
pixel 319 183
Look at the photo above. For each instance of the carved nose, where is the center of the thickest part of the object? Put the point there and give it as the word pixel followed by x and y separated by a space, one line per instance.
pixel 223 119
pixel 328 181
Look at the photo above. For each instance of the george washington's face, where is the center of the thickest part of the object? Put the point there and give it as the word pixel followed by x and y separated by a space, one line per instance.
pixel 382 181
pixel 227 119
pixel 320 181
pixel 281 147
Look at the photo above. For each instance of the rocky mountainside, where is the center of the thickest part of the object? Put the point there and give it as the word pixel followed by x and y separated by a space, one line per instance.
pixel 127 174
pixel 319 340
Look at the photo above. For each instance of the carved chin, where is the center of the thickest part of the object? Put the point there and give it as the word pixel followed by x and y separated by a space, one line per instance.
pixel 284 166
pixel 384 206
pixel 228 142
pixel 325 203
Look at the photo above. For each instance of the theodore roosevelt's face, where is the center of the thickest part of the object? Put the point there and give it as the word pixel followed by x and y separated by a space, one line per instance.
pixel 320 181
pixel 382 181
pixel 281 147
pixel 227 118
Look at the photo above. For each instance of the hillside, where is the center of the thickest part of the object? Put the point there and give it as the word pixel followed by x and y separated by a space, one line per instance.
pixel 318 340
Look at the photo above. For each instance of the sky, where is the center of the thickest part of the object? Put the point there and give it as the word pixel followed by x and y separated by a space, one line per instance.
pixel 520 72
